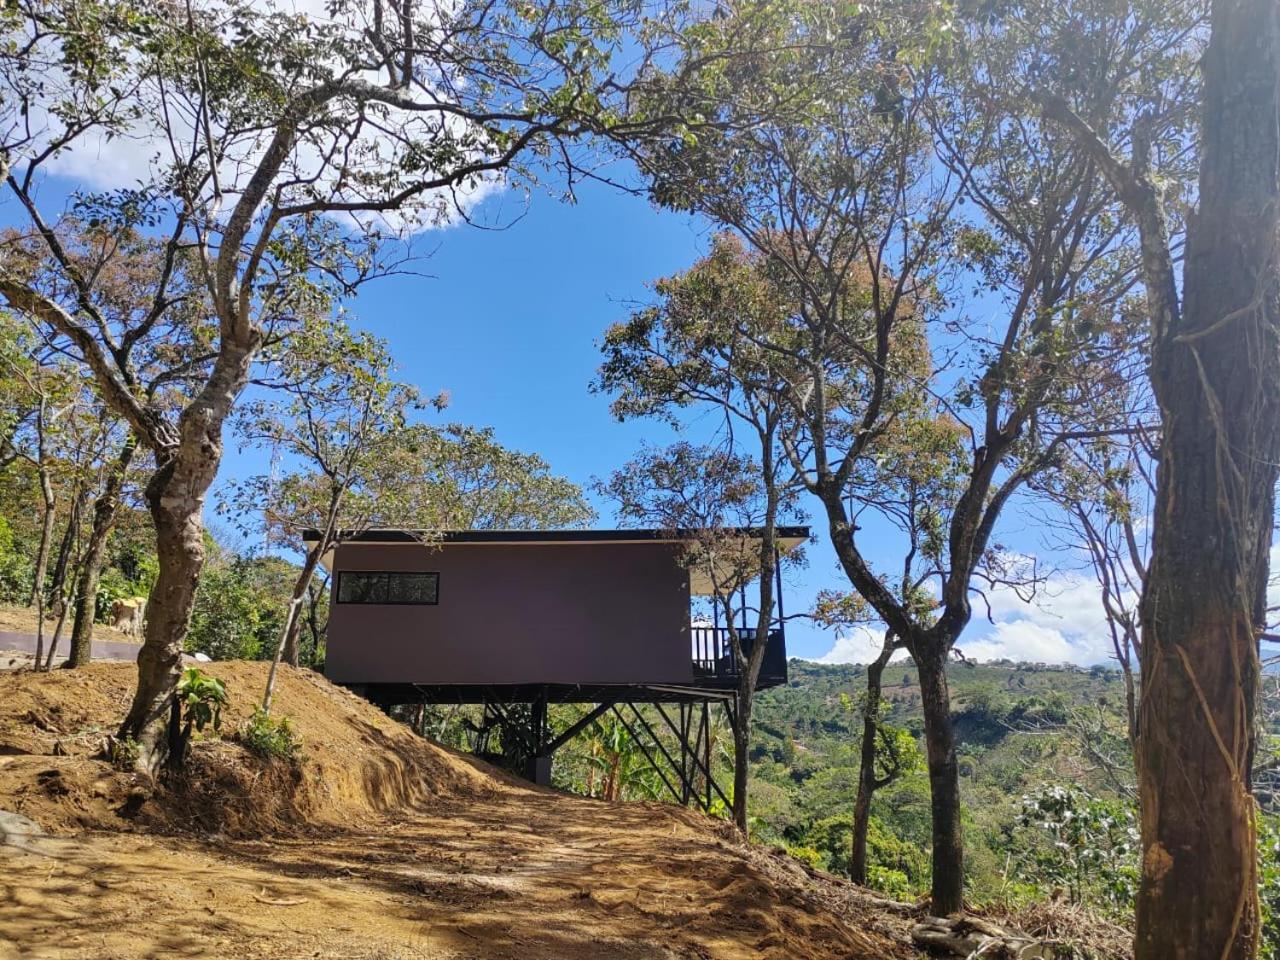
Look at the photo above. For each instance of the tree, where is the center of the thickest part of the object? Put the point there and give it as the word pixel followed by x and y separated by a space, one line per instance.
pixel 104 517
pixel 1104 488
pixel 700 346
pixel 164 357
pixel 336 417
pixel 282 147
pixel 711 495
pixel 880 760
pixel 45 386
pixel 359 462
pixel 1215 373
pixel 922 164
pixel 459 477
pixel 62 437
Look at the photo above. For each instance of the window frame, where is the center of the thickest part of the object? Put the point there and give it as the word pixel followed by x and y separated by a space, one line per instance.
pixel 337 589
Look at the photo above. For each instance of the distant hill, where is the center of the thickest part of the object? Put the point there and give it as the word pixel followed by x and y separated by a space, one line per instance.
pixel 1020 727
pixel 976 689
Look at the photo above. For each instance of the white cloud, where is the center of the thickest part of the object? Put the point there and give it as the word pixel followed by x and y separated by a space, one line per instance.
pixel 860 645
pixel 1064 623
pixel 1023 640
pixel 1068 602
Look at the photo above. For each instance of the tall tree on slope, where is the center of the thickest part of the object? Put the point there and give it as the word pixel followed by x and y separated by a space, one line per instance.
pixel 905 180
pixel 1215 371
pixel 698 347
pixel 283 151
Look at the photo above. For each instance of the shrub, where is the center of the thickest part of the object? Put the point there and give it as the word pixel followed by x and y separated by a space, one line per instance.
pixel 806 855
pixel 1269 885
pixel 17 569
pixel 270 737
pixel 201 698
pixel 899 863
pixel 892 883
pixel 197 704
pixel 1082 844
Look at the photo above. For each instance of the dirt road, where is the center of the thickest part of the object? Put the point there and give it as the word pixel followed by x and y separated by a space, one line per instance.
pixel 551 879
pixel 378 844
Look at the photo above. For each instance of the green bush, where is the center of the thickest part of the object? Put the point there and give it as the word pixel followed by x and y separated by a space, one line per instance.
pixel 806 855
pixel 16 568
pixel 1269 885
pixel 271 737
pixel 201 698
pixel 1087 846
pixel 890 857
pixel 832 837
pixel 892 883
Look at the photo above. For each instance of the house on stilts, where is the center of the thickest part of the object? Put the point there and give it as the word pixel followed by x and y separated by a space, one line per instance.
pixel 518 620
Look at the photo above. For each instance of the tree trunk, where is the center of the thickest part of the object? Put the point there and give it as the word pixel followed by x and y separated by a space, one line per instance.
pixel 867 764
pixel 175 499
pixel 57 635
pixel 180 552
pixel 58 581
pixel 292 620
pixel 42 562
pixel 930 650
pixel 104 516
pixel 1216 376
pixel 47 517
pixel 944 782
pixel 741 757
pixel 58 586
pixel 315 628
pixel 292 645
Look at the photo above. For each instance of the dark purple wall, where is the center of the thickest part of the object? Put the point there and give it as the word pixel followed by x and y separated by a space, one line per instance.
pixel 519 613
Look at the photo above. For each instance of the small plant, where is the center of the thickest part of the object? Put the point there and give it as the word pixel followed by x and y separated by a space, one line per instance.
pixel 271 737
pixel 197 704
pixel 202 698
pixel 123 752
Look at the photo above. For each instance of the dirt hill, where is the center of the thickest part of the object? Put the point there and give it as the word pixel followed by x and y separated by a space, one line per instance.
pixel 379 845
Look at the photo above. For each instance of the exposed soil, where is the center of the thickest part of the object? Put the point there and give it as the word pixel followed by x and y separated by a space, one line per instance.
pixel 379 845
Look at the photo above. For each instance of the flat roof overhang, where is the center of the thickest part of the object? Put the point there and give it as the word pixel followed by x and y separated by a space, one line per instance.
pixel 700 581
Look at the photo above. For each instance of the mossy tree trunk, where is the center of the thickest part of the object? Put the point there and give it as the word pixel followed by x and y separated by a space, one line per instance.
pixel 1216 374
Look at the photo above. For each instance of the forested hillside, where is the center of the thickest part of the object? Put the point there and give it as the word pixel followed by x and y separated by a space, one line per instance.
pixel 1020 727
pixel 1046 775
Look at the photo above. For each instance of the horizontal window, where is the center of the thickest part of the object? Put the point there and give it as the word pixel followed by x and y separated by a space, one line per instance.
pixel 361 587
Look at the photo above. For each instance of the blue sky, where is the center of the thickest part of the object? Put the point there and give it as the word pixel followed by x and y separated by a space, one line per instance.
pixel 508 322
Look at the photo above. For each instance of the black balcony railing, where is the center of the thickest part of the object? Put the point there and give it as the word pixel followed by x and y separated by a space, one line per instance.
pixel 713 654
